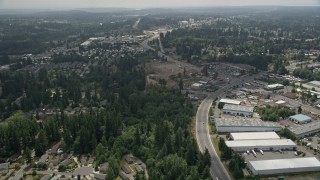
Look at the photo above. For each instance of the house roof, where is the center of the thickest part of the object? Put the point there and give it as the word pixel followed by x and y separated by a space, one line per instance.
pixel 43 158
pixel 126 169
pixel 4 166
pixel 100 176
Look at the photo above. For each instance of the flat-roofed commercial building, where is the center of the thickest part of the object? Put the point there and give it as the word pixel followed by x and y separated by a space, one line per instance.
pixel 282 166
pixel 243 124
pixel 311 85
pixel 238 110
pixel 230 101
pixel 306 130
pixel 300 119
pixel 253 136
pixel 265 145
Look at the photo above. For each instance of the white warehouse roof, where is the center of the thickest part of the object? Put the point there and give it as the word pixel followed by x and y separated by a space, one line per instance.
pixel 272 86
pixel 230 101
pixel 260 143
pixel 254 136
pixel 277 166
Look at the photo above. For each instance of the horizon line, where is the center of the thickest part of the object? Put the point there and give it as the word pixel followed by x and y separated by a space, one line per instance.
pixel 160 7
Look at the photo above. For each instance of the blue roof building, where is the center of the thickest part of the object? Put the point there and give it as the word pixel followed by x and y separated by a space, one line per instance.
pixel 300 119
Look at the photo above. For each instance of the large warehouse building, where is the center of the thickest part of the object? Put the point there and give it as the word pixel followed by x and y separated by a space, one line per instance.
pixel 238 110
pixel 265 145
pixel 253 136
pixel 243 124
pixel 282 166
pixel 306 130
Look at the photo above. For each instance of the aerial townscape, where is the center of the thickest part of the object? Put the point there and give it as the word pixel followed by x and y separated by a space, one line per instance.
pixel 94 92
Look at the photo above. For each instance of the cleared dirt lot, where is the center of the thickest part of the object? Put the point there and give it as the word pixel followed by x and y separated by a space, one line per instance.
pixel 164 70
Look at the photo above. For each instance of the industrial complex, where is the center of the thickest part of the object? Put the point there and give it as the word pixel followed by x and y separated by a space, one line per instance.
pixel 265 144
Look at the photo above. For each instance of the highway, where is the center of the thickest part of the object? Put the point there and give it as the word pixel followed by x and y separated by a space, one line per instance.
pixel 135 25
pixel 217 169
pixel 182 64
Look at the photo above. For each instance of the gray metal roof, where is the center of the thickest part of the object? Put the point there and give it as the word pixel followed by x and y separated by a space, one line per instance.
pixel 306 128
pixel 244 122
pixel 300 117
pixel 238 108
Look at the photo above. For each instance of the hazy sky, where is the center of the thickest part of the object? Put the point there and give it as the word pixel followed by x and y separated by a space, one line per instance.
pixel 52 4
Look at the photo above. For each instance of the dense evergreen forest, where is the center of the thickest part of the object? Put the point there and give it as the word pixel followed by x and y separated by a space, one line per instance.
pixel 152 122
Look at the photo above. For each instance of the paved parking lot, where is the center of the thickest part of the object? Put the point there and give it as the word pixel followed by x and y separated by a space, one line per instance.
pixel 272 155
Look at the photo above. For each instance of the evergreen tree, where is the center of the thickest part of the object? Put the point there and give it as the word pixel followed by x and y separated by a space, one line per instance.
pixel 41 143
pixel 180 84
pixel 137 137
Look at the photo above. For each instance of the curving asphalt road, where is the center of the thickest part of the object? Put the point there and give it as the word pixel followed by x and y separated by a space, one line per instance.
pixel 217 169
